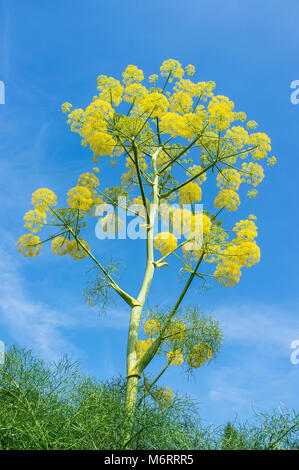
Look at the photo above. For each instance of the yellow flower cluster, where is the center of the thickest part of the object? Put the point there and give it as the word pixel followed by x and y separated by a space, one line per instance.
pixel 35 219
pixel 180 102
pixel 43 199
pixel 242 251
pixel 186 223
pixel 253 173
pixel 111 223
pixel 228 273
pixel 221 113
pixel 271 161
pixel 239 138
pixel 245 229
pixel 89 181
pixel 229 179
pixel 132 74
pixel 142 346
pixel 164 396
pixel 172 123
pixel 76 251
pixel 190 69
pixel 176 331
pixel 134 92
pixel 60 246
pixel 189 193
pixel 165 242
pixel 262 142
pixel 80 198
pixel 201 353
pixel 29 245
pixel 152 327
pixel 251 124
pixel 252 193
pixel 175 358
pixel 91 124
pixel 204 90
pixel 228 199
pixel 110 89
pixel 153 78
pixel 66 107
pixel 155 104
pixel 173 67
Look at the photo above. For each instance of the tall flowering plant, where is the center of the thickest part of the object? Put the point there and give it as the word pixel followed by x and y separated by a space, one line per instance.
pixel 176 141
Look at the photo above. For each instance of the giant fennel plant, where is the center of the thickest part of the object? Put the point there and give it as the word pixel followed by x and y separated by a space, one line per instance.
pixel 171 139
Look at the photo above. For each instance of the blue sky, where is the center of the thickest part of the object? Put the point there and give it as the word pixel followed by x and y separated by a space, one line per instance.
pixel 52 52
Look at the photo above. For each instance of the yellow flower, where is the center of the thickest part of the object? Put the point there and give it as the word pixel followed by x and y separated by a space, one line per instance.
pixel 155 104
pixel 111 223
pixel 201 222
pixel 34 220
pixel 80 197
pixel 110 89
pixel 252 193
pixel 89 181
pixel 164 396
pixel 181 220
pixel 239 137
pixel 66 107
pixel 228 273
pixel 245 229
pixel 221 112
pixel 173 67
pixel 251 125
pixel 165 242
pixel 29 245
pixel 253 173
pixel 271 161
pixel 76 251
pixel 43 198
pixel 176 331
pixel 151 327
pixel 142 346
pixel 181 102
pixel 228 199
pixel 204 90
pixel 189 193
pixel 171 123
pixel 201 353
pixel 229 179
pixel 175 358
pixel 134 92
pixel 153 78
pixel 262 142
pixel 190 69
pixel 60 246
pixel 132 74
pixel 244 252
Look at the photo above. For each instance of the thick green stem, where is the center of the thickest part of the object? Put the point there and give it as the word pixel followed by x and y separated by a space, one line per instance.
pixel 133 374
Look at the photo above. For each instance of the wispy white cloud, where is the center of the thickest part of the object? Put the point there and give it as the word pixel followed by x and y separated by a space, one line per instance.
pixel 254 369
pixel 30 322
pixel 263 324
pixel 33 322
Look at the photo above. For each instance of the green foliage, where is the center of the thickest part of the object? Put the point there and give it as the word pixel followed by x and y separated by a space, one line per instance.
pixel 98 292
pixel 53 406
